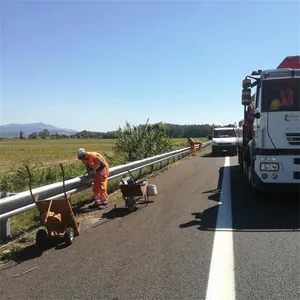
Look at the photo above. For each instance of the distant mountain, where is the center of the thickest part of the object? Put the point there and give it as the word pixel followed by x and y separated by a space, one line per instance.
pixel 13 130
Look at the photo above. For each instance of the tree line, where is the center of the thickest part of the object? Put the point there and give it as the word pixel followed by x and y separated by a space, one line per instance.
pixel 171 130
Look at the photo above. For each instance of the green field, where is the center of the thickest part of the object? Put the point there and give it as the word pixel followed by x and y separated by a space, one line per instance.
pixel 16 151
pixel 48 152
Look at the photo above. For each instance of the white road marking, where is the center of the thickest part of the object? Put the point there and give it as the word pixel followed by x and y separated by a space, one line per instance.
pixel 221 283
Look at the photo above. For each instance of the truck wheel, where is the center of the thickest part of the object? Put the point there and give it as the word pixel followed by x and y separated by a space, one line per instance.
pixel 241 162
pixel 251 180
pixel 245 171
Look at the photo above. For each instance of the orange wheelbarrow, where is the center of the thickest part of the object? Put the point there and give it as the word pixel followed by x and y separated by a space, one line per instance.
pixel 57 216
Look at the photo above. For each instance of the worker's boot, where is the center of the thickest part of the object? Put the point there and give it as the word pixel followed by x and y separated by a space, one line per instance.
pixel 103 203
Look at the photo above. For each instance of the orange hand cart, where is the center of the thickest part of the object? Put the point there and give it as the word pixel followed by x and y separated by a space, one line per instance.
pixel 57 216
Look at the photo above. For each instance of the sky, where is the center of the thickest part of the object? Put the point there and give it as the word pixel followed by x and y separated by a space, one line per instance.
pixel 94 65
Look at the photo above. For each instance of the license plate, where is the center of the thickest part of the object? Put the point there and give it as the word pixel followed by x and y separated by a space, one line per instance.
pixel 224 150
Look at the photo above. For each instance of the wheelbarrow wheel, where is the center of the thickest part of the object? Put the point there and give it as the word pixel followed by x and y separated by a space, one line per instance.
pixel 69 236
pixel 41 238
pixel 131 204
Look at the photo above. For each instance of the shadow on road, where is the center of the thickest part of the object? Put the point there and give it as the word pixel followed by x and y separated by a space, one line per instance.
pixel 270 212
pixel 249 213
pixel 32 251
pixel 215 193
pixel 21 255
pixel 120 212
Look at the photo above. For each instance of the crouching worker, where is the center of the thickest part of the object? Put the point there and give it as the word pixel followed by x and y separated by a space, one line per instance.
pixel 96 162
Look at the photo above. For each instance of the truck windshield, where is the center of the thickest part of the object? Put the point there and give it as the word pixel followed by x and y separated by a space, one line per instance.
pixel 281 95
pixel 224 133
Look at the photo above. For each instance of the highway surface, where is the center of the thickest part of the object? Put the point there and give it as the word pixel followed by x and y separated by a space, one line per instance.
pixel 203 237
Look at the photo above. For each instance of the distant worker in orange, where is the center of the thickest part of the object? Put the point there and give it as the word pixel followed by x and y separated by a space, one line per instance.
pixel 192 145
pixel 100 170
pixel 199 143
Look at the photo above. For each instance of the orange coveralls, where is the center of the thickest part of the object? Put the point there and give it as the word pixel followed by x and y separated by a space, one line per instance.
pixel 193 146
pixel 97 162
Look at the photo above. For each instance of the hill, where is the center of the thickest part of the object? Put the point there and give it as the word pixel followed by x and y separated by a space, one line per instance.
pixel 13 130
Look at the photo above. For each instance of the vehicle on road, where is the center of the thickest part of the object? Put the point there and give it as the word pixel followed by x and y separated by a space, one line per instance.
pixel 223 141
pixel 268 139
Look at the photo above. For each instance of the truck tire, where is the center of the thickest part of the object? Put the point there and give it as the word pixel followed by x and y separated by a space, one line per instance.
pixel 244 167
pixel 255 192
pixel 241 159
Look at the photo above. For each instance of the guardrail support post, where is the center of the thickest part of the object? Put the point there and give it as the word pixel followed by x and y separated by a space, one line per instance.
pixel 140 173
pixel 152 168
pixel 5 230
pixel 5 223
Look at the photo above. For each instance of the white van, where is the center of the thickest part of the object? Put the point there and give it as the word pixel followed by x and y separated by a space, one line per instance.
pixel 224 140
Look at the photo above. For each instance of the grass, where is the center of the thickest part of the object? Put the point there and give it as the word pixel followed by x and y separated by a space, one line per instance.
pixel 182 142
pixel 48 151
pixel 51 151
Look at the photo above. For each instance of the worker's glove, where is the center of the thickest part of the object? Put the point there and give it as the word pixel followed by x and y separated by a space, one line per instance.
pixel 91 172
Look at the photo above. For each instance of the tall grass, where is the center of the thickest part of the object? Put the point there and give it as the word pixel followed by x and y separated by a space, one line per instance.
pixel 16 179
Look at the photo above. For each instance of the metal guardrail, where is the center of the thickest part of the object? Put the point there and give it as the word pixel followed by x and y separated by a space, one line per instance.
pixel 21 202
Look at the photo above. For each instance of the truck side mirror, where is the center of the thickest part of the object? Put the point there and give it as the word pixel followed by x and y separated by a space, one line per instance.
pixel 246 97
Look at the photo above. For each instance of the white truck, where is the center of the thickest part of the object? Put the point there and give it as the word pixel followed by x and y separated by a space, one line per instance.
pixel 223 141
pixel 268 139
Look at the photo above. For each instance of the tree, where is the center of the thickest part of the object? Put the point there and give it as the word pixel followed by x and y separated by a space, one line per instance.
pixel 44 134
pixel 33 135
pixel 138 142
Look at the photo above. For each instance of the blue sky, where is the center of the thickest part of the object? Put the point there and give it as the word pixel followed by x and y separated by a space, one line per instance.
pixel 95 65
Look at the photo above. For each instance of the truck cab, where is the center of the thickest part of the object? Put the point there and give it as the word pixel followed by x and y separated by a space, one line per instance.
pixel 270 155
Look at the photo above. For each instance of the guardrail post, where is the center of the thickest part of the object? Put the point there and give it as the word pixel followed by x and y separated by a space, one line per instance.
pixel 140 173
pixel 152 168
pixel 161 164
pixel 5 223
pixel 5 230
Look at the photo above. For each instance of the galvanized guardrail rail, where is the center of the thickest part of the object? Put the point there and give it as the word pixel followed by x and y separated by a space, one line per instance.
pixel 17 203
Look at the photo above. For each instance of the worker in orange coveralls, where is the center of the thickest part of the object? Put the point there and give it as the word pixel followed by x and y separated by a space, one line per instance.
pixel 192 145
pixel 199 143
pixel 99 168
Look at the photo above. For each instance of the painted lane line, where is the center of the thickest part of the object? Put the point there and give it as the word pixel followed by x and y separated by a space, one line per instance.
pixel 221 282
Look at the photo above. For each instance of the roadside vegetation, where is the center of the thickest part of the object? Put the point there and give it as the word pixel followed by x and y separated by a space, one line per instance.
pixel 42 157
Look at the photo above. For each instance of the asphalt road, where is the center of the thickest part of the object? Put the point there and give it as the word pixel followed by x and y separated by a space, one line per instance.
pixel 203 237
